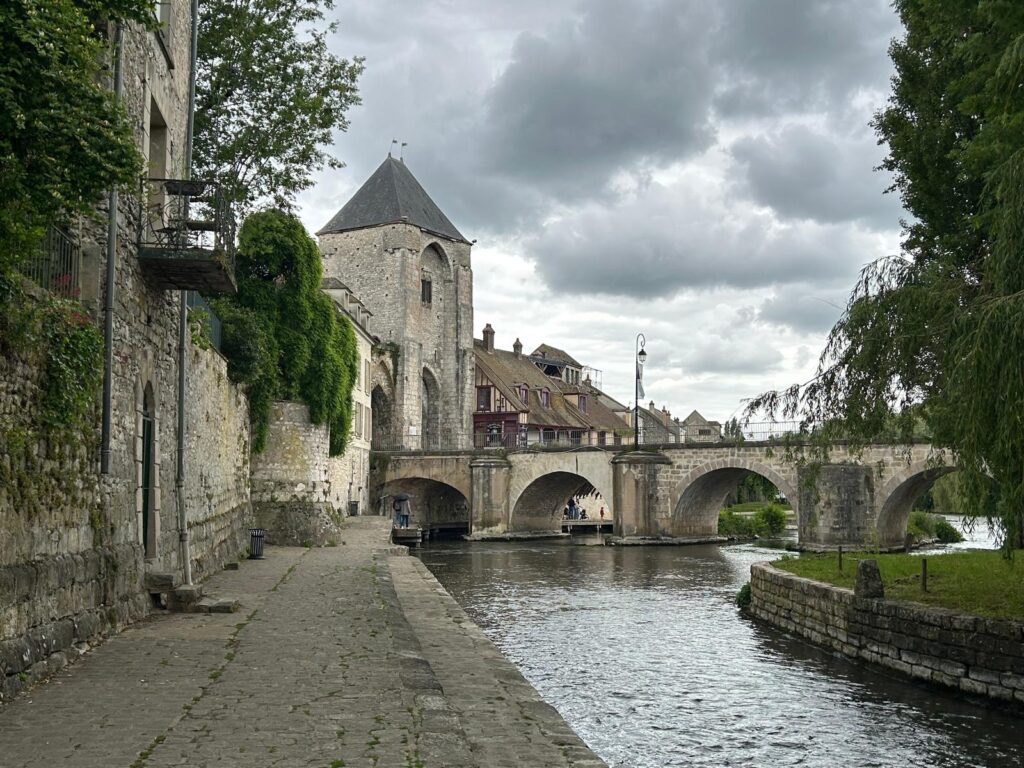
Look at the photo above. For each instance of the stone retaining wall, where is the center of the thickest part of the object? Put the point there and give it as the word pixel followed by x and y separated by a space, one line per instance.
pixel 969 653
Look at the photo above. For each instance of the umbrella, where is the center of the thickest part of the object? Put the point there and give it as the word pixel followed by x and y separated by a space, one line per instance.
pixel 401 497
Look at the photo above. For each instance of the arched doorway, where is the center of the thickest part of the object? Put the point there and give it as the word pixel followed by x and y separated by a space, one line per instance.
pixel 430 394
pixel 381 415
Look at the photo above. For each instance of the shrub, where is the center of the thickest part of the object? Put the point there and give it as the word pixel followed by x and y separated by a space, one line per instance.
pixel 921 525
pixel 770 521
pixel 945 532
pixel 733 525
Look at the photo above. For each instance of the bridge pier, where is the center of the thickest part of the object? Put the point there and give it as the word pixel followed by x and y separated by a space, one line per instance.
pixel 489 506
pixel 837 504
pixel 636 502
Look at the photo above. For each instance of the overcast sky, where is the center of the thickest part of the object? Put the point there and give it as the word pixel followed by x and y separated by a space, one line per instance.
pixel 701 172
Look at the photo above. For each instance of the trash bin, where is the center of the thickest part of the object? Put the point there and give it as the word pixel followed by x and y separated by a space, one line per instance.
pixel 256 537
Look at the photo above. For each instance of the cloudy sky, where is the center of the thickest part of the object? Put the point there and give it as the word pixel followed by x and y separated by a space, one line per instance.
pixel 701 172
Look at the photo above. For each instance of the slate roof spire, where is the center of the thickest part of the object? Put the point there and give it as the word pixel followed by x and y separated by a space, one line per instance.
pixel 392 196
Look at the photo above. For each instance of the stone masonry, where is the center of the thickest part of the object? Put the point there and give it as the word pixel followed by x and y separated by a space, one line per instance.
pixel 961 651
pixel 432 370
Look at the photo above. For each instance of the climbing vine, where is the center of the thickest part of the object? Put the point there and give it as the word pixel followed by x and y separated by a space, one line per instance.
pixel 281 334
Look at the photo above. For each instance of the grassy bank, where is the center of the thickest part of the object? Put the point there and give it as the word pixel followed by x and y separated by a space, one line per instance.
pixel 980 582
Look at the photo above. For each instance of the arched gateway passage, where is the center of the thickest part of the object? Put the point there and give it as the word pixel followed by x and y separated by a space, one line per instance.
pixel 702 493
pixel 540 506
pixel 434 506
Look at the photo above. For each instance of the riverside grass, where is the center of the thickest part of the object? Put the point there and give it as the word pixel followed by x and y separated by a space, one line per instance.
pixel 982 582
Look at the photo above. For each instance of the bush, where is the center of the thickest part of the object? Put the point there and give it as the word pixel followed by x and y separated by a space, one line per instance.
pixel 770 521
pixel 945 532
pixel 735 526
pixel 924 526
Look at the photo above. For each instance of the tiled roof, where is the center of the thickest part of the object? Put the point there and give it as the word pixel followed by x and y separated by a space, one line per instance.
pixel 507 371
pixel 392 196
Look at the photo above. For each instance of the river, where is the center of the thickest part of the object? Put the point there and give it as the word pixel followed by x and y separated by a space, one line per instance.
pixel 644 653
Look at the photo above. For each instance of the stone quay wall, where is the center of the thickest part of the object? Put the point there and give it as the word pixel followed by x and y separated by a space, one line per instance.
pixel 968 653
pixel 292 494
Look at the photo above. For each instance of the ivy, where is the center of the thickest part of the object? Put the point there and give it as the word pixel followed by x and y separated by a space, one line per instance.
pixel 63 139
pixel 282 335
pixel 57 336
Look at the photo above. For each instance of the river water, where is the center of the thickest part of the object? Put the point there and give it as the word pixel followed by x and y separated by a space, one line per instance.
pixel 642 651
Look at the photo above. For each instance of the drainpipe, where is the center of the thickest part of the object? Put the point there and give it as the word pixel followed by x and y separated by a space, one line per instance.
pixel 183 340
pixel 108 301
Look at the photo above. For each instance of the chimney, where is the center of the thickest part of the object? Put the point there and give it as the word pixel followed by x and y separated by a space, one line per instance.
pixel 653 408
pixel 488 338
pixel 518 348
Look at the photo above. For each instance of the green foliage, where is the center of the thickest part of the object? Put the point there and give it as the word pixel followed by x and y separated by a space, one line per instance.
pixel 199 327
pixel 937 333
pixel 743 597
pixel 735 526
pixel 925 527
pixel 269 96
pixel 281 335
pixel 63 140
pixel 56 335
pixel 754 487
pixel 770 521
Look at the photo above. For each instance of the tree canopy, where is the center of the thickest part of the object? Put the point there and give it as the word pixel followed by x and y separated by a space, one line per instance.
pixel 281 334
pixel 269 97
pixel 63 140
pixel 936 333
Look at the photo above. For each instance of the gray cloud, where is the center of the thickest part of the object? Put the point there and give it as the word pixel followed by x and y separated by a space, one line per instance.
pixel 803 308
pixel 627 85
pixel 667 240
pixel 794 55
pixel 809 174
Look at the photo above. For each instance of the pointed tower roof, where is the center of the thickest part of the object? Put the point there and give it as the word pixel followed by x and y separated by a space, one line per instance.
pixel 392 196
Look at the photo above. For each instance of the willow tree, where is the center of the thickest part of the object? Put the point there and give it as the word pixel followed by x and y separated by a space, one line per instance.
pixel 281 334
pixel 935 334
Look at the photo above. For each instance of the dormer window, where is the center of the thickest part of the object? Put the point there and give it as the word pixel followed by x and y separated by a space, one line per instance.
pixel 583 403
pixel 545 398
pixel 522 392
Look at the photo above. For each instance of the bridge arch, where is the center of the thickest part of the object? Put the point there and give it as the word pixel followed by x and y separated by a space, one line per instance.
pixel 541 485
pixel 898 496
pixel 434 505
pixel 698 497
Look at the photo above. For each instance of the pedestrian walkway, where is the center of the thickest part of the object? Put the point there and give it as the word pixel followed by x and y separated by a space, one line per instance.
pixel 342 656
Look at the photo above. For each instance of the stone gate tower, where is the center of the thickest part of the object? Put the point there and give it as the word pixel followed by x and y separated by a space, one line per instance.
pixel 395 249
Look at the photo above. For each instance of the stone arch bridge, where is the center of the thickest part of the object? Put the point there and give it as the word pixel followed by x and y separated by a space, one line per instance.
pixel 671 491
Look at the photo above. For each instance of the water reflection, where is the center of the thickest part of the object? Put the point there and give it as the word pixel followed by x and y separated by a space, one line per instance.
pixel 643 652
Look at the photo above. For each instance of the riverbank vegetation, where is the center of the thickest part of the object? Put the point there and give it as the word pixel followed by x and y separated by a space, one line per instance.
pixel 981 582
pixel 927 527
pixel 768 521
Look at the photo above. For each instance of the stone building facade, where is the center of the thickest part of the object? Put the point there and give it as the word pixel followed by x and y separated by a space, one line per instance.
pixel 411 268
pixel 86 523
pixel 350 472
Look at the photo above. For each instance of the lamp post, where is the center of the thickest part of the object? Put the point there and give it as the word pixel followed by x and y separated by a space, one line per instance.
pixel 641 358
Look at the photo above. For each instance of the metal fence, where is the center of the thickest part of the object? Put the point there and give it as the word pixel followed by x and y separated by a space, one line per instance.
pixel 57 264
pixel 180 215
pixel 568 439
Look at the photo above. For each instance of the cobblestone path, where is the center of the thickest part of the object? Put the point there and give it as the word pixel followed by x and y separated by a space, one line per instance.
pixel 342 656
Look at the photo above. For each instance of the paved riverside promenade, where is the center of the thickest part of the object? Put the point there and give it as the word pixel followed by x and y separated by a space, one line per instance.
pixel 342 656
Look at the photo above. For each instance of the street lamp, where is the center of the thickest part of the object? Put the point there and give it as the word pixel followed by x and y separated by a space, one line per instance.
pixel 641 358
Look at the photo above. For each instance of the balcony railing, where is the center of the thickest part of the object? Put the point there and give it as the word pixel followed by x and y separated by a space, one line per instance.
pixel 57 264
pixel 186 236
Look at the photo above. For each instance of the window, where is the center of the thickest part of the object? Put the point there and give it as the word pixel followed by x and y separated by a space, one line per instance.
pixel 523 393
pixel 359 376
pixel 545 398
pixel 426 291
pixel 583 403
pixel 601 438
pixel 366 380
pixel 483 398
